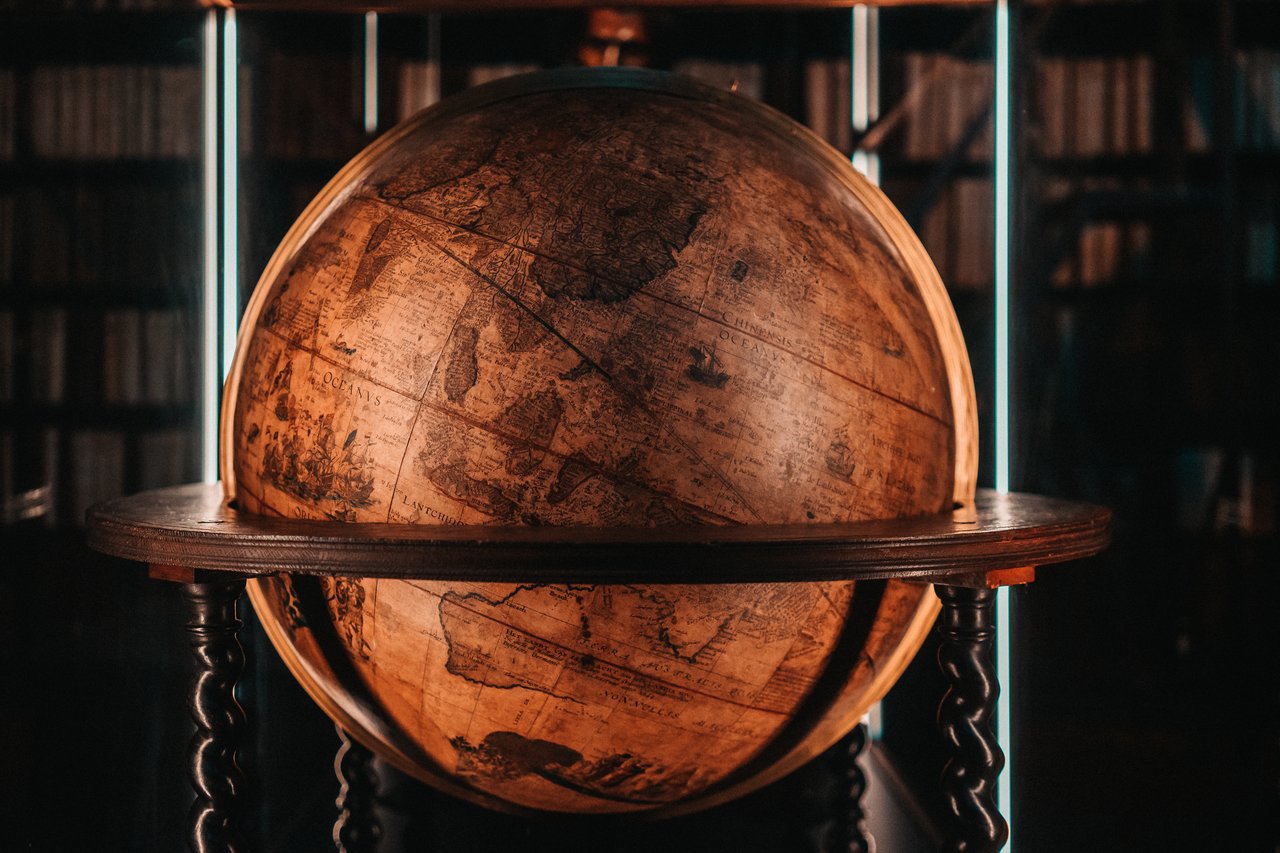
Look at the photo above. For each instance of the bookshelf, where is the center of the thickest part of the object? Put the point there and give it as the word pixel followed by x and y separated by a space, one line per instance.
pixel 1148 283
pixel 100 252
pixel 100 132
pixel 1145 298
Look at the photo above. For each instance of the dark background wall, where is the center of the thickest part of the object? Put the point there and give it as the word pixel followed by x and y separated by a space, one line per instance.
pixel 1147 699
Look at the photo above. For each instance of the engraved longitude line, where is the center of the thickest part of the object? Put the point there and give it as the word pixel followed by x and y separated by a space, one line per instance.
pixel 395 487
pixel 695 311
pixel 719 475
pixel 479 592
pixel 476 232
pixel 315 352
pixel 861 618
pixel 417 411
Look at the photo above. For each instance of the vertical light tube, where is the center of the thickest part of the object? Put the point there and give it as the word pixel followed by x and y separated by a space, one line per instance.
pixel 1003 197
pixel 230 191
pixel 210 373
pixel 370 72
pixel 864 60
pixel 864 92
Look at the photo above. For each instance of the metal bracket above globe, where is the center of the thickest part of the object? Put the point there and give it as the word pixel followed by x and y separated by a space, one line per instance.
pixel 598 297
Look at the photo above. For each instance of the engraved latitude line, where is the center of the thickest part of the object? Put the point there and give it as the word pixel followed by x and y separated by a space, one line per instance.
pixel 599 471
pixel 316 353
pixel 642 291
pixel 798 357
pixel 573 654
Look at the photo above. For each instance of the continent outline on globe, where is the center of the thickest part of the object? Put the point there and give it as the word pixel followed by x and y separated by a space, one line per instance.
pixel 487 449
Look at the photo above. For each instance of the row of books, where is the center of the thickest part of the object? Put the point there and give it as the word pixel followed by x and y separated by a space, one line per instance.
pixel 1105 107
pixel 8 354
pixel 91 112
pixel 1262 252
pixel 295 105
pixel 1095 107
pixel 8 243
pixel 942 96
pixel 419 86
pixel 420 83
pixel 92 234
pixel 828 87
pixel 828 101
pixel 1255 122
pixel 147 357
pixel 958 232
pixel 85 467
pixel 1105 252
pixel 1087 107
pixel 8 113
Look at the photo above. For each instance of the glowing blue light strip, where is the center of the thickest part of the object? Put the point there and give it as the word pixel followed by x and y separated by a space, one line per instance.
pixel 1002 188
pixel 864 108
pixel 209 365
pixel 864 59
pixel 230 192
pixel 1003 195
pixel 370 72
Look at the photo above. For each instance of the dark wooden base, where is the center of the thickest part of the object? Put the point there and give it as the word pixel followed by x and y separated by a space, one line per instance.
pixel 851 819
pixel 213 630
pixel 967 626
pixel 357 829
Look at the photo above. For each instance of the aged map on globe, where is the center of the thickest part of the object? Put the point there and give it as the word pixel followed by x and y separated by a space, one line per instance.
pixel 601 305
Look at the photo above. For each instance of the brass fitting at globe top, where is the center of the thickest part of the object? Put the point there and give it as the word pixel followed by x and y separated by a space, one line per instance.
pixel 615 37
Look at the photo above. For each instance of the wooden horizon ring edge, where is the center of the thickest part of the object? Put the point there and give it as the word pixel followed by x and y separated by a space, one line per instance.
pixel 462 6
pixel 193 526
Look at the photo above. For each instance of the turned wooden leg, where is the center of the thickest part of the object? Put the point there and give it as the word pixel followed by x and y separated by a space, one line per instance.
pixel 212 628
pixel 851 821
pixel 964 717
pixel 357 829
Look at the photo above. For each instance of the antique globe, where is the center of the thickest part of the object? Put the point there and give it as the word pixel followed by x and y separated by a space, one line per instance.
pixel 598 298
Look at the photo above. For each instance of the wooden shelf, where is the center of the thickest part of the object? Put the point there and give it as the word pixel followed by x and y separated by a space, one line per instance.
pixel 96 296
pixel 500 5
pixel 33 33
pixel 98 416
pixel 43 171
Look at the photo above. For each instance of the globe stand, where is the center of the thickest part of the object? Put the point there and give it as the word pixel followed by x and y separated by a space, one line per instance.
pixel 190 534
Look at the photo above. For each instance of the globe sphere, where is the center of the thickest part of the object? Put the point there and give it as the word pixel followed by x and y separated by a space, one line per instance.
pixel 597 298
